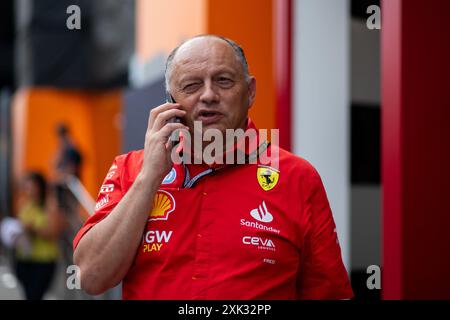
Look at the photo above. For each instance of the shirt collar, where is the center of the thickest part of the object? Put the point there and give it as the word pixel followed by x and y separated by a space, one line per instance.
pixel 250 145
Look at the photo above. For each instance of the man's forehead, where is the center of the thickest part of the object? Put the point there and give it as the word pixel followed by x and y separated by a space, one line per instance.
pixel 204 49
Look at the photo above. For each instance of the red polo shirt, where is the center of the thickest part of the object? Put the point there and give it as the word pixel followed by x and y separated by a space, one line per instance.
pixel 246 231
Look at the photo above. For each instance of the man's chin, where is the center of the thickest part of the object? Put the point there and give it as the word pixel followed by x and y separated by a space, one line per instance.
pixel 213 126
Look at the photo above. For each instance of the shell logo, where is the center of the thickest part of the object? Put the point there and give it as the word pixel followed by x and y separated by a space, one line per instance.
pixel 163 204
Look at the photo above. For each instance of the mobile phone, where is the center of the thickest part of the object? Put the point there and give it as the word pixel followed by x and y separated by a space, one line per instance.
pixel 170 99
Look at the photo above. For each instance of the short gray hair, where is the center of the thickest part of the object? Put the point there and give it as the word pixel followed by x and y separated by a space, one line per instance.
pixel 237 50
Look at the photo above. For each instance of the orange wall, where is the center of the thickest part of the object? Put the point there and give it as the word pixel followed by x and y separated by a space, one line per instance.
pixel 162 24
pixel 249 23
pixel 92 119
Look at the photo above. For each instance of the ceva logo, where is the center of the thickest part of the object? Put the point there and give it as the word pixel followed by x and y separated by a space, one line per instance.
pixel 261 213
pixel 259 242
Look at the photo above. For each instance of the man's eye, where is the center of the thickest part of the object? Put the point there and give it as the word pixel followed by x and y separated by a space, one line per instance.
pixel 225 82
pixel 191 87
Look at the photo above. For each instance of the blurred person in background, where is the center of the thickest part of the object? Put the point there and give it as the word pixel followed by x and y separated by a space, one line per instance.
pixel 68 159
pixel 35 264
pixel 67 164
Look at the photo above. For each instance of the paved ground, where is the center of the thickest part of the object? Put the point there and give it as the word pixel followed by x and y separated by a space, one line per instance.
pixel 10 288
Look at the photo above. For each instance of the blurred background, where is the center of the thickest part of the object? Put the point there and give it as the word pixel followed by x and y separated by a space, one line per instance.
pixel 368 107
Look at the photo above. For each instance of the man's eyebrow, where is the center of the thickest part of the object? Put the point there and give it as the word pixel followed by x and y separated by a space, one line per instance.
pixel 187 78
pixel 193 77
pixel 226 72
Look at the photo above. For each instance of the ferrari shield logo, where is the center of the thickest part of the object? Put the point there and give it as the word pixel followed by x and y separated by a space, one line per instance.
pixel 267 177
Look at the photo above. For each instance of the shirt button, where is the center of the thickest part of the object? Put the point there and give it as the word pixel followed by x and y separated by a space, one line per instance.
pixel 199 235
pixel 194 278
pixel 204 193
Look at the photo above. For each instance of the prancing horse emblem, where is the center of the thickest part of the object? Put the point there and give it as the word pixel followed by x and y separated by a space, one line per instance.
pixel 267 177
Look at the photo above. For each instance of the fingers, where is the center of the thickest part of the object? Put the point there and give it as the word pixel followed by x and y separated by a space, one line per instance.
pixel 169 128
pixel 163 117
pixel 159 129
pixel 156 111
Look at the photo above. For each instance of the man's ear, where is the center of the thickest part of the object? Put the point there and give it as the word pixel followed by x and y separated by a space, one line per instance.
pixel 251 91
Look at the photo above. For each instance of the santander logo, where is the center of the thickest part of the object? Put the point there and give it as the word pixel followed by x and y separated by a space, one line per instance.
pixel 261 213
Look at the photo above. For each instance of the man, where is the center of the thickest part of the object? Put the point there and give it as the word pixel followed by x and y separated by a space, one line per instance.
pixel 68 159
pixel 210 231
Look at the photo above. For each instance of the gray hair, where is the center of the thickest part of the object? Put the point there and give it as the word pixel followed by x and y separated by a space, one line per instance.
pixel 237 50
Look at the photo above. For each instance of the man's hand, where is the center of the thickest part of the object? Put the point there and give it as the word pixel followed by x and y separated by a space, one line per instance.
pixel 157 147
pixel 121 230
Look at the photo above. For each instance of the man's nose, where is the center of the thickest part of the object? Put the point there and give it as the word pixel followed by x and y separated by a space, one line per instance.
pixel 209 95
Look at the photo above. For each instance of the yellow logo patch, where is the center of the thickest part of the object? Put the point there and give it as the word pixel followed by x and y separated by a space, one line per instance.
pixel 267 177
pixel 163 204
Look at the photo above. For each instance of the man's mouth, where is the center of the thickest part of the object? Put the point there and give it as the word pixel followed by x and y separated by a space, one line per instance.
pixel 209 117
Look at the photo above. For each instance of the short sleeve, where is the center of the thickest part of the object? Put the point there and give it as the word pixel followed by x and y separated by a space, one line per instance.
pixel 322 274
pixel 108 197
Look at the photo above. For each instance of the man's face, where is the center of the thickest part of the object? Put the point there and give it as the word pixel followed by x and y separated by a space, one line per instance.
pixel 208 81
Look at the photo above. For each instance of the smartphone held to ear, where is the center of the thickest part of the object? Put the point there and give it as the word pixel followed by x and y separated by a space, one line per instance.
pixel 170 99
